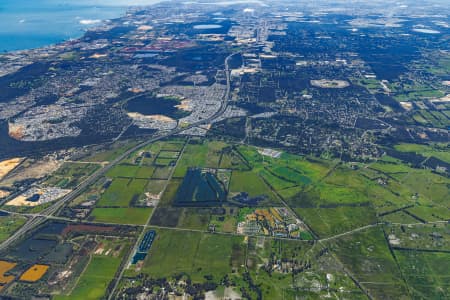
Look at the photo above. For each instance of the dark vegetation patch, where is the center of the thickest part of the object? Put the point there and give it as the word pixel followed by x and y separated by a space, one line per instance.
pixel 135 131
pixel 233 127
pixel 110 34
pixel 370 124
pixel 244 199
pixel 409 157
pixel 434 162
pixel 200 58
pixel 81 228
pixel 20 82
pixel 200 188
pixel 389 101
pixel 253 108
pixel 166 216
pixel 235 61
pixel 34 248
pixel 152 105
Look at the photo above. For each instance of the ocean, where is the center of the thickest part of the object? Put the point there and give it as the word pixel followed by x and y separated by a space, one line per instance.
pixel 28 24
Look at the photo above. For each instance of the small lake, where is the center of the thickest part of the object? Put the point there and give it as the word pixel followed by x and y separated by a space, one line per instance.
pixel 207 26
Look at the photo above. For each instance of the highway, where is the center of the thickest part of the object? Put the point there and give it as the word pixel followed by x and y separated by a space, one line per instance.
pixel 35 221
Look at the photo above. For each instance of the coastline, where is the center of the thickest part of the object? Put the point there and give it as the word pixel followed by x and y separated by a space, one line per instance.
pixel 51 25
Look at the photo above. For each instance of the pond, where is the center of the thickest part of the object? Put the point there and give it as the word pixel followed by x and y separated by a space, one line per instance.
pixel 207 26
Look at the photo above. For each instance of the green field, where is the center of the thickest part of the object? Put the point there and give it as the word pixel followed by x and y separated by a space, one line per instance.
pixel 346 187
pixel 193 218
pixel 110 152
pixel 408 91
pixel 427 274
pixel 155 186
pixel 331 197
pixel 95 279
pixel 129 215
pixel 164 162
pixel 288 175
pixel 194 155
pixel 169 154
pixel 430 212
pixel 203 254
pixel 144 172
pixel 70 174
pixel 123 170
pixel 170 192
pixel 371 84
pixel 407 185
pixel 420 119
pixel 429 186
pixel 161 172
pixel 276 182
pixel 327 222
pixel 121 192
pixel 399 217
pixel 215 255
pixel 230 159
pixel 250 183
pixel 367 256
pixel 390 168
pixel 174 144
pixel 440 151
pixel 430 237
pixel 9 224
pixel 209 154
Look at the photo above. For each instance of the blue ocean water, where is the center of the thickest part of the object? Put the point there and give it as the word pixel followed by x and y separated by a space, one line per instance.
pixel 27 24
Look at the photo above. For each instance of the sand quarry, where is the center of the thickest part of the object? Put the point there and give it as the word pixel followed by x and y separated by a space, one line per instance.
pixel 7 166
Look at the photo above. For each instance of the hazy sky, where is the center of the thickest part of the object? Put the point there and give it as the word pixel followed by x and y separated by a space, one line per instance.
pixel 116 2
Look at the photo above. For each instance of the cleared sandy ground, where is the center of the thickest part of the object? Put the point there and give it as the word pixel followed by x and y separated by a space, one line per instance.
pixel 4 194
pixel 33 169
pixel 7 166
pixel 21 201
pixel 184 105
pixel 161 118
